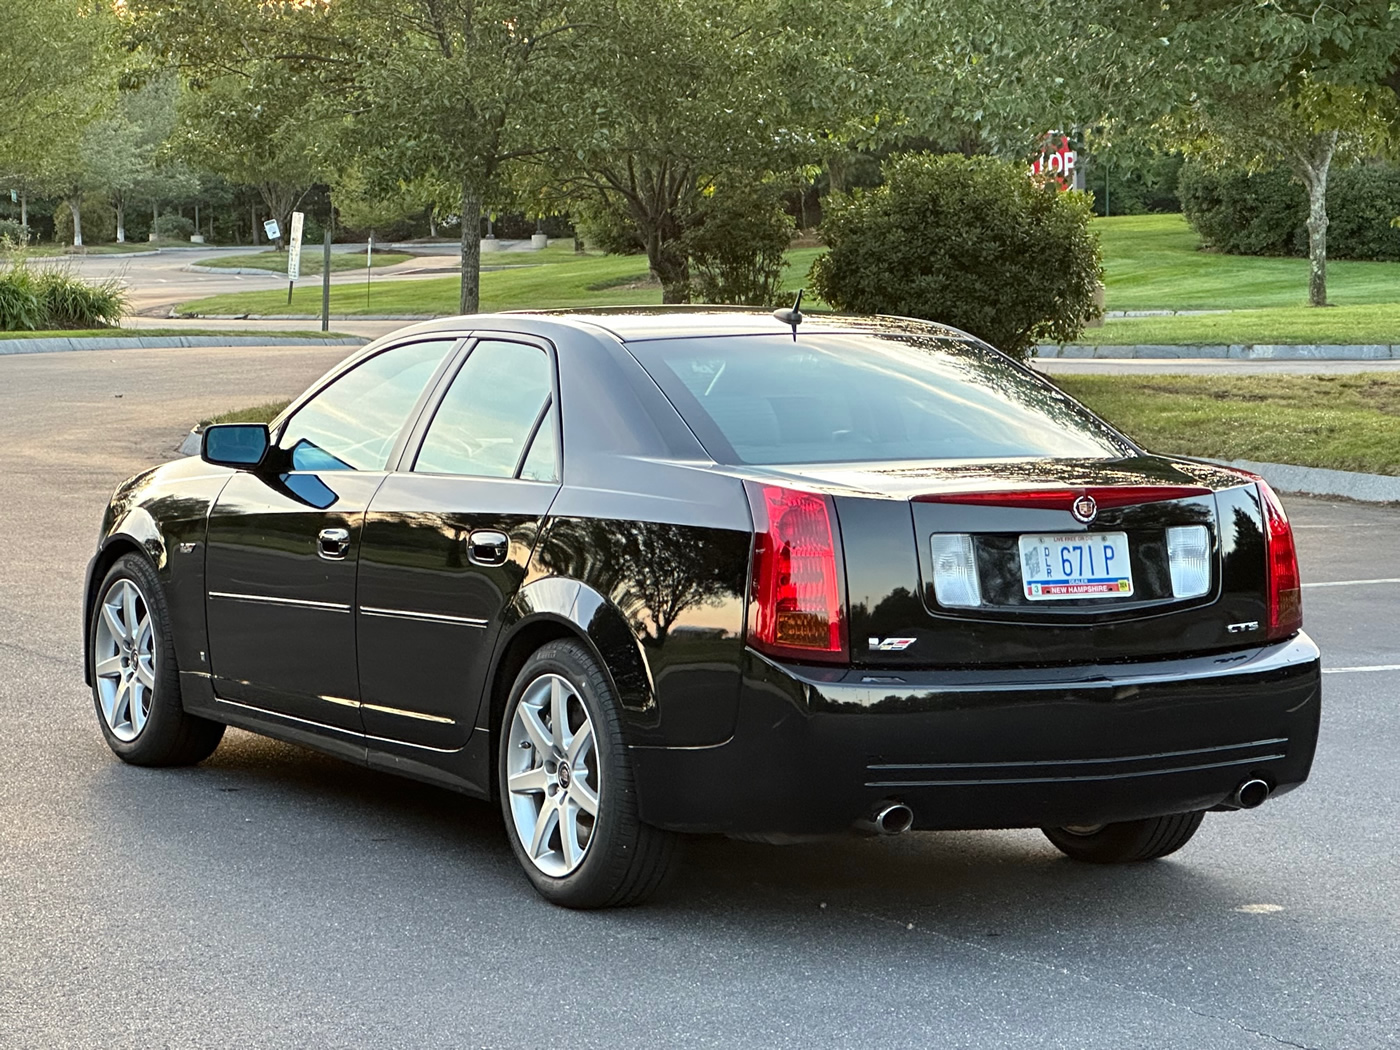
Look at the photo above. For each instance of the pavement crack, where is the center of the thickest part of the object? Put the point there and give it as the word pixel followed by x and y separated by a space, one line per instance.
pixel 38 654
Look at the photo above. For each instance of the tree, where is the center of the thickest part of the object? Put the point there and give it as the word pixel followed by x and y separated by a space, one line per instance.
pixel 967 241
pixel 1288 81
pixel 409 89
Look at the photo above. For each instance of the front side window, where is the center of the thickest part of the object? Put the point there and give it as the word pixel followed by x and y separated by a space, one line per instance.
pixel 353 423
pixel 498 400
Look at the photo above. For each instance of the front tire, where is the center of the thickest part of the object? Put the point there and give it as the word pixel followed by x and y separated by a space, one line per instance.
pixel 566 787
pixel 135 679
pixel 1128 841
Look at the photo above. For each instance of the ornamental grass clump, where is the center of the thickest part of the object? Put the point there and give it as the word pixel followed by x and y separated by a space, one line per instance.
pixel 973 242
pixel 54 298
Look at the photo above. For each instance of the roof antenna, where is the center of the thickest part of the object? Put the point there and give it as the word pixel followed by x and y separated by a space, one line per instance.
pixel 791 314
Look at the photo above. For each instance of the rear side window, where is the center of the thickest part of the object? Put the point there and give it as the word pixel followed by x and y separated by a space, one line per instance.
pixel 497 402
pixel 846 398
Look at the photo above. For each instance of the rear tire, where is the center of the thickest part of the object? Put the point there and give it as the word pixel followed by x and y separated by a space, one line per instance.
pixel 1126 842
pixel 567 793
pixel 135 679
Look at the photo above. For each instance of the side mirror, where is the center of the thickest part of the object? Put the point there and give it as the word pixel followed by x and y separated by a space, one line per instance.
pixel 238 445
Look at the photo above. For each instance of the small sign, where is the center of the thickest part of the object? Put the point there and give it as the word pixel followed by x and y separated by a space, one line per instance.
pixel 272 230
pixel 14 196
pixel 294 246
pixel 1059 162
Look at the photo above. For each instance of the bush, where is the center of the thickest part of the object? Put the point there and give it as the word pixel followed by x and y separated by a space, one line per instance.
pixel 99 222
pixel 14 232
pixel 1266 213
pixel 736 246
pixel 1361 202
pixel 1242 213
pixel 968 241
pixel 54 298
pixel 174 227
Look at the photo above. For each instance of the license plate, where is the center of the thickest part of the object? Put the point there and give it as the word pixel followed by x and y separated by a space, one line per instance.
pixel 1076 565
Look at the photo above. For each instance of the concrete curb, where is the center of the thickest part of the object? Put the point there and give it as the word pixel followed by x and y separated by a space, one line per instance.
pixel 1319 481
pixel 61 345
pixel 1237 351
pixel 196 268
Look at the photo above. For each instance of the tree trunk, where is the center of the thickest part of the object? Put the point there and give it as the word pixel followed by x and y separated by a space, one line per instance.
pixel 432 220
pixel 75 205
pixel 121 222
pixel 253 221
pixel 23 208
pixel 471 247
pixel 1313 170
pixel 155 220
pixel 670 266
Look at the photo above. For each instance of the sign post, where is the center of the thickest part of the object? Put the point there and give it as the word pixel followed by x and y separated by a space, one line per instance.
pixel 326 284
pixel 369 264
pixel 294 253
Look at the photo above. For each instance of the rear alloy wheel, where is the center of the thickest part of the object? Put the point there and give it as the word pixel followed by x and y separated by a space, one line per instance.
pixel 135 680
pixel 566 788
pixel 1128 841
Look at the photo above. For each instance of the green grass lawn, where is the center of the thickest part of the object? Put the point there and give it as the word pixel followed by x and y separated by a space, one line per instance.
pixel 562 280
pixel 252 414
pixel 1378 323
pixel 118 334
pixel 311 258
pixel 1152 262
pixel 1345 422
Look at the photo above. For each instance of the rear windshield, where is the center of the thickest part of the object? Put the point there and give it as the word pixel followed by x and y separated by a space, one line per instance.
pixel 857 397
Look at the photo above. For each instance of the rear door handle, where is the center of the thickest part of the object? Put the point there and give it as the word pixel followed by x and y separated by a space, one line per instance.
pixel 488 547
pixel 333 544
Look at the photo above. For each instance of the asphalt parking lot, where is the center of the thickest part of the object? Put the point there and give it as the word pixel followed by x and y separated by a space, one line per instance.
pixel 276 898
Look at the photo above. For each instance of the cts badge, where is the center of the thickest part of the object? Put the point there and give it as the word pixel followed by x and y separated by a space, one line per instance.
pixel 890 645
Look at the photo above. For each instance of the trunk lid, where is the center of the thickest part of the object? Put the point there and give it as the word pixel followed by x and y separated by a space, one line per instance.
pixel 889 515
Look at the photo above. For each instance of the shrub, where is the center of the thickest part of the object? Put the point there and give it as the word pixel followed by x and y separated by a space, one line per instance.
pixel 1243 213
pixel 174 227
pixel 968 241
pixel 20 310
pixel 1361 201
pixel 12 231
pixel 99 222
pixel 1266 213
pixel 54 298
pixel 69 302
pixel 736 246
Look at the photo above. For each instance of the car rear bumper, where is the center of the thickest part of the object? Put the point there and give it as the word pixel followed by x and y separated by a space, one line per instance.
pixel 817 750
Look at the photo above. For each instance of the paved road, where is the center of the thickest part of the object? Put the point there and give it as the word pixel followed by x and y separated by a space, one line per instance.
pixel 275 898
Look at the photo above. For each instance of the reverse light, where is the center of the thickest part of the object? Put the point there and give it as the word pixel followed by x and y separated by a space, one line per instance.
pixel 1188 555
pixel 955 582
pixel 1285 585
pixel 798 609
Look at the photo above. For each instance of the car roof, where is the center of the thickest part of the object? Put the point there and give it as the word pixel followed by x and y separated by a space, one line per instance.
pixel 632 323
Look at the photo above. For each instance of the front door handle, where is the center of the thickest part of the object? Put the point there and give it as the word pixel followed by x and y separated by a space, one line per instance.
pixel 488 547
pixel 333 544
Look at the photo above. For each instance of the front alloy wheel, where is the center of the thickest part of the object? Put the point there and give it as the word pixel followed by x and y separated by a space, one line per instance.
pixel 566 786
pixel 135 678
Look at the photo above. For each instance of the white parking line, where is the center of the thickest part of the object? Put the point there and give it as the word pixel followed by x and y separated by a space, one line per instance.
pixel 1353 583
pixel 1358 670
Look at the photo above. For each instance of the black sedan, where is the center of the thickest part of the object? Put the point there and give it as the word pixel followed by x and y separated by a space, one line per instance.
pixel 649 572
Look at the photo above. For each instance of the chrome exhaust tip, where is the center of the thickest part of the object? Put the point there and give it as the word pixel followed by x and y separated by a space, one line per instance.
pixel 888 818
pixel 1251 794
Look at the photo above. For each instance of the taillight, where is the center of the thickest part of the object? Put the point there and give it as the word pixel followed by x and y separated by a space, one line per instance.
pixel 1285 587
pixel 797 607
